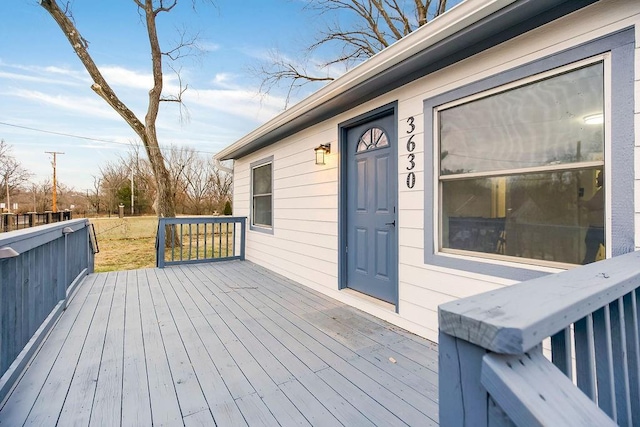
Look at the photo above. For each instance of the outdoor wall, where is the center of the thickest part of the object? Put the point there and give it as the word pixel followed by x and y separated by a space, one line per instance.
pixel 304 243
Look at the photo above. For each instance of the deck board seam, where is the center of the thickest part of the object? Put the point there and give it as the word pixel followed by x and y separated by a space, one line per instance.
pixel 104 341
pixel 346 360
pixel 180 333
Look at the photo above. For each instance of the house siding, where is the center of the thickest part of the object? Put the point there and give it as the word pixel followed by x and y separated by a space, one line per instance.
pixel 304 246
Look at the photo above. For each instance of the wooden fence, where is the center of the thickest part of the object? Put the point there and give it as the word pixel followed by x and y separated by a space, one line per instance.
pixel 39 270
pixel 188 240
pixel 492 365
pixel 10 221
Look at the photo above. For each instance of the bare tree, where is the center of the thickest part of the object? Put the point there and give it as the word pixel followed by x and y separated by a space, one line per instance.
pixel 371 25
pixel 199 185
pixel 93 195
pixel 113 177
pixel 42 195
pixel 146 130
pixel 13 175
pixel 222 186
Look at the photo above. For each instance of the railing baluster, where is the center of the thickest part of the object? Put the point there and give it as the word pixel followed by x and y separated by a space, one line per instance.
pixel 220 241
pixel 233 240
pixel 190 242
pixel 561 351
pixel 227 240
pixel 630 304
pixel 604 363
pixel 585 364
pixel 198 241
pixel 181 242
pixel 620 363
pixel 173 242
pixel 205 241
pixel 633 348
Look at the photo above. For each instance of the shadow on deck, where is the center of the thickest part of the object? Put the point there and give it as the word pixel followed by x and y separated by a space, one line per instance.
pixel 228 342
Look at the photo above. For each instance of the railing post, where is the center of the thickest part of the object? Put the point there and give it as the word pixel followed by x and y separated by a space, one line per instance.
pixel 10 221
pixel 62 288
pixel 161 243
pixel 243 233
pixel 463 400
pixel 32 218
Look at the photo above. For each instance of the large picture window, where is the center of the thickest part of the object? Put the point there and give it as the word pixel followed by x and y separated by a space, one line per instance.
pixel 262 194
pixel 521 169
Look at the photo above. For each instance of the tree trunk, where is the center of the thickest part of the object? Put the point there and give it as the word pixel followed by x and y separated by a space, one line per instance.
pixel 147 131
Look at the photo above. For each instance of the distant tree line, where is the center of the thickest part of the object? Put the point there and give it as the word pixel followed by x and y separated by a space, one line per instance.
pixel 200 188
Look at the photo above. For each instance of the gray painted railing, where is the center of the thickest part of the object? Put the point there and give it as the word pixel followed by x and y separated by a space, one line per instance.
pixel 39 270
pixel 188 240
pixel 492 369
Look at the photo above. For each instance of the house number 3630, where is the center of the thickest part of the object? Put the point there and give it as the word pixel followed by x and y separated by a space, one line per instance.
pixel 411 145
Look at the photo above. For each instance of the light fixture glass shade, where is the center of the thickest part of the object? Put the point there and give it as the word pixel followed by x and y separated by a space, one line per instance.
pixel 321 151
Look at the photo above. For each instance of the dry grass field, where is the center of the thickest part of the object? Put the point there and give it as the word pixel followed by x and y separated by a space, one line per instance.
pixel 125 244
pixel 129 243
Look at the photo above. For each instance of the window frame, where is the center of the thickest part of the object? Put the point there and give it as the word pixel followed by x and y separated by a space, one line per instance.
pixel 439 179
pixel 618 165
pixel 263 228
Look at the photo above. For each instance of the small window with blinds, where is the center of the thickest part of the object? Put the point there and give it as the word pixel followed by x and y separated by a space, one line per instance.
pixel 262 195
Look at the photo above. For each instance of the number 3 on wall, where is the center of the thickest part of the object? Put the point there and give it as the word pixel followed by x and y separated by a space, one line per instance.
pixel 411 145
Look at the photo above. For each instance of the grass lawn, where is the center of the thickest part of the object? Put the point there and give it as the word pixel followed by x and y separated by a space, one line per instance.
pixel 129 243
pixel 125 244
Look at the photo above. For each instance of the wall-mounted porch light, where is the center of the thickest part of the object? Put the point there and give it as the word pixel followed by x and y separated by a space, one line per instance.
pixel 321 151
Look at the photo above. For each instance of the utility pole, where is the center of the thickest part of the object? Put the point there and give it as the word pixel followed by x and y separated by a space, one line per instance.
pixel 132 191
pixel 6 181
pixel 54 202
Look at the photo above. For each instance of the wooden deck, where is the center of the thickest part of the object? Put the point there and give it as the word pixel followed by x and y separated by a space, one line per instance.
pixel 224 344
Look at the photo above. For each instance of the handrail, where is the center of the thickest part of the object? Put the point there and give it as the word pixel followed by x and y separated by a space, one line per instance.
pixel 591 315
pixel 516 318
pixel 188 240
pixel 39 269
pixel 534 393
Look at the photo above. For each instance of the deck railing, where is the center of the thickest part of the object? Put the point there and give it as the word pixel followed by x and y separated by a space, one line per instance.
pixel 494 356
pixel 39 270
pixel 10 221
pixel 188 240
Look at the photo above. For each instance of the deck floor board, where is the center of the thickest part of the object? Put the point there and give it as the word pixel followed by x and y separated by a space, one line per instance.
pixel 229 343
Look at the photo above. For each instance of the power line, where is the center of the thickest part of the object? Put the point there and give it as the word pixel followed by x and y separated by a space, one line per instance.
pixel 87 138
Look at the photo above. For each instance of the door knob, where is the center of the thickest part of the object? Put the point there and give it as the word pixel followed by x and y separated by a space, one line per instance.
pixel 391 223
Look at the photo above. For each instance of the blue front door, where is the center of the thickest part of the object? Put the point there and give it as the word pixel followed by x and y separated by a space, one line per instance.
pixel 371 252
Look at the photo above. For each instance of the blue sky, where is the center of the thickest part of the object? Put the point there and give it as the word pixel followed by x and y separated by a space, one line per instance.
pixel 43 85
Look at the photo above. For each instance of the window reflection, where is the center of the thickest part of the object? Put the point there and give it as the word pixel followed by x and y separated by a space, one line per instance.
pixel 520 170
pixel 539 216
pixel 542 123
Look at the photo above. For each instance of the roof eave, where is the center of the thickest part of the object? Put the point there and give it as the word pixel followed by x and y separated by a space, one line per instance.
pixel 437 35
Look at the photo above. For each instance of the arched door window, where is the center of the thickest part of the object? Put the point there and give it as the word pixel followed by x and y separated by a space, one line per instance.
pixel 372 138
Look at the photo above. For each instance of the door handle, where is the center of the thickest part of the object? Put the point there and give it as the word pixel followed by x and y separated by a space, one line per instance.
pixel 391 223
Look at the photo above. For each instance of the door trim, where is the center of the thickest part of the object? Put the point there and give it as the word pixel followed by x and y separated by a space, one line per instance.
pixel 388 109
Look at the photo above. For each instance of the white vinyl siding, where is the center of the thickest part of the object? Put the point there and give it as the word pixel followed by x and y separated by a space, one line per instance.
pixel 304 244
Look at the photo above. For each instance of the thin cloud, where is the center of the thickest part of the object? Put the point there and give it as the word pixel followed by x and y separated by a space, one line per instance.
pixel 85 105
pixel 123 77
